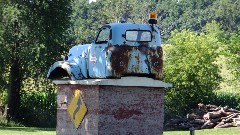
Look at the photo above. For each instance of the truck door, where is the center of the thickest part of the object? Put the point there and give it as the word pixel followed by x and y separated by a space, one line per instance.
pixel 97 55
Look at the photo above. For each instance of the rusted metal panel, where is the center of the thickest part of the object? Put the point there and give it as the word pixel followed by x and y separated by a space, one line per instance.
pixel 62 69
pixel 136 60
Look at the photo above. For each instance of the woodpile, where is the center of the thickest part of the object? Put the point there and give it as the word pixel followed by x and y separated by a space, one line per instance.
pixel 206 116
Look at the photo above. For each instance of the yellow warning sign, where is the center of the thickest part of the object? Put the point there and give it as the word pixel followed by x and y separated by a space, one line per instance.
pixel 77 109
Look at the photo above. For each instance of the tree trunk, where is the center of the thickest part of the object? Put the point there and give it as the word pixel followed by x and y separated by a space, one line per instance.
pixel 14 87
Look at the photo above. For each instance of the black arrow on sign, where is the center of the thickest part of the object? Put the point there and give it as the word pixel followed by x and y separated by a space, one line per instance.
pixel 79 103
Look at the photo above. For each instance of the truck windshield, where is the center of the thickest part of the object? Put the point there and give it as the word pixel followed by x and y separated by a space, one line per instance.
pixel 103 36
pixel 139 35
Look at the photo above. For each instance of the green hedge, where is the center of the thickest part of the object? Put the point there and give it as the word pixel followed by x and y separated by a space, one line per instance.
pixel 38 109
pixel 230 99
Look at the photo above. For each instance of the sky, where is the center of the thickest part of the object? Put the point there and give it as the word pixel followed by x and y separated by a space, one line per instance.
pixel 90 1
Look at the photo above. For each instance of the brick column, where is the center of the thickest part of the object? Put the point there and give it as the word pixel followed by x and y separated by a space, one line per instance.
pixel 127 106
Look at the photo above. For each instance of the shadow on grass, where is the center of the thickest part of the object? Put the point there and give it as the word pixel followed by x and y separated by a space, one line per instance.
pixel 27 129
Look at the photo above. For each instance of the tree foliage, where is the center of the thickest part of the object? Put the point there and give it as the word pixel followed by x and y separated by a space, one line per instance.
pixel 172 14
pixel 35 33
pixel 227 14
pixel 87 18
pixel 234 57
pixel 32 36
pixel 190 66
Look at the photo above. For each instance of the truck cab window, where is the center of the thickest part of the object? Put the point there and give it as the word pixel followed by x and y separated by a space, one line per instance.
pixel 103 36
pixel 138 35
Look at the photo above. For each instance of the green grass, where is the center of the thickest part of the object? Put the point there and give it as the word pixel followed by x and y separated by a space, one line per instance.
pixel 218 131
pixel 26 131
pixel 52 131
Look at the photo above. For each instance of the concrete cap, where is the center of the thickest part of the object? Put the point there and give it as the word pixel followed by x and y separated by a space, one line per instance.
pixel 124 81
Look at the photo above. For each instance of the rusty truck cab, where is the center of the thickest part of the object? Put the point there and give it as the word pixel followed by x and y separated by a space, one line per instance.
pixel 120 49
pixel 126 49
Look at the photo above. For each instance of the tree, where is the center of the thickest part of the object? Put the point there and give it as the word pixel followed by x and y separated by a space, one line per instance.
pixel 189 65
pixel 227 14
pixel 32 36
pixel 86 15
pixel 183 14
pixel 234 55
pixel 85 20
pixel 12 35
pixel 141 10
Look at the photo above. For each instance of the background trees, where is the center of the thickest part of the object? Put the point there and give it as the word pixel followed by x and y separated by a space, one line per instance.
pixel 32 33
pixel 201 42
pixel 227 14
pixel 234 48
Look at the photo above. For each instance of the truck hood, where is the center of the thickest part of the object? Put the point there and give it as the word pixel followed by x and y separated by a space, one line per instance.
pixel 79 51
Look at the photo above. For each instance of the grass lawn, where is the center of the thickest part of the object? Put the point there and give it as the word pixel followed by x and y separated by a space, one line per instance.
pixel 51 131
pixel 26 131
pixel 217 131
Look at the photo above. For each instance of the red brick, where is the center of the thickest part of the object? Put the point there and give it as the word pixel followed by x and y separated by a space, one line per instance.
pixel 114 110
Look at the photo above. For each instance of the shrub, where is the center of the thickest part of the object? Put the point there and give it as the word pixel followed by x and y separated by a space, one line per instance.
pixel 189 65
pixel 38 109
pixel 38 103
pixel 230 99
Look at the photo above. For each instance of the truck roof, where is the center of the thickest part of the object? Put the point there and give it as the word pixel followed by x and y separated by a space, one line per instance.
pixel 128 26
pixel 118 29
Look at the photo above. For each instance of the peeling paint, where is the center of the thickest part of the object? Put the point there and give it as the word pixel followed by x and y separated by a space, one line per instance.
pixel 123 55
pixel 115 57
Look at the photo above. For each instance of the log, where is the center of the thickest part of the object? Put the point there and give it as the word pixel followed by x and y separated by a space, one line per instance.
pixel 236 122
pixel 225 125
pixel 213 115
pixel 211 106
pixel 202 106
pixel 225 108
pixel 226 113
pixel 207 124
pixel 230 115
pixel 233 110
pixel 191 116
pixel 207 116
pixel 216 120
pixel 219 124
pixel 199 113
pixel 215 109
pixel 230 119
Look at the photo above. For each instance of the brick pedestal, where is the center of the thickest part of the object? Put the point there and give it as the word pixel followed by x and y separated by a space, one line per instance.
pixel 127 106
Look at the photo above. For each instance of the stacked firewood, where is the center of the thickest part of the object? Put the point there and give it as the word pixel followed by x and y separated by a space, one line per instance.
pixel 206 116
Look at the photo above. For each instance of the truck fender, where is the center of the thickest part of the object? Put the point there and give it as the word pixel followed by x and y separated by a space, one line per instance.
pixel 62 69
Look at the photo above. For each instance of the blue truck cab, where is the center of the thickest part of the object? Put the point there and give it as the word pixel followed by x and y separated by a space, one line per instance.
pixel 119 49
